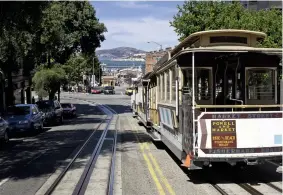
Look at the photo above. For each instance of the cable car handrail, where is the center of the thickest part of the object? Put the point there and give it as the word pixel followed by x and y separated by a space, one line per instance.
pixel 240 106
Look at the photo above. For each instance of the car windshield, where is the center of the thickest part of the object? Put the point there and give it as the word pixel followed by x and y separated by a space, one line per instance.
pixel 44 105
pixel 18 110
pixel 66 105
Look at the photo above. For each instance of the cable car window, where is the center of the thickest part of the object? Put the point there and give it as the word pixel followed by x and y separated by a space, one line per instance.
pixel 261 84
pixel 202 84
pixel 187 88
pixel 168 85
pixel 173 84
pixel 159 88
pixel 162 87
pixel 228 39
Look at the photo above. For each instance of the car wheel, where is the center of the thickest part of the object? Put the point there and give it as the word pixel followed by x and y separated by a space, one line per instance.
pixel 32 129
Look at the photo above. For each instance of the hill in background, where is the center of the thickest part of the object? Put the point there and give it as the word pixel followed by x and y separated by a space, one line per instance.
pixel 119 52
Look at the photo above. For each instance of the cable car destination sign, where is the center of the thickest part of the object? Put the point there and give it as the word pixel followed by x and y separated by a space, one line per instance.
pixel 223 134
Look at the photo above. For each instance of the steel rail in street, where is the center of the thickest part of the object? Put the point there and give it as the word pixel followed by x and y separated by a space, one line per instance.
pixel 111 176
pixel 274 187
pixel 218 188
pixel 250 189
pixel 62 174
pixel 113 160
pixel 85 177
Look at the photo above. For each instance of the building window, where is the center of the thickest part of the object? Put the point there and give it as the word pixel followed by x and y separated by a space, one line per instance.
pixel 228 39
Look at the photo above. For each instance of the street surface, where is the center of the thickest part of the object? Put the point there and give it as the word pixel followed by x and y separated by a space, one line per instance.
pixel 28 165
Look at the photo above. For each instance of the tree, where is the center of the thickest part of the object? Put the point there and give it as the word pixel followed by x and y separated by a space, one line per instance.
pixel 80 65
pixel 19 24
pixel 70 27
pixel 47 32
pixel 75 68
pixel 196 16
pixel 49 80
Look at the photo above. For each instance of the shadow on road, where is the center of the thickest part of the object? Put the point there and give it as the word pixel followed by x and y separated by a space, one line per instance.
pixel 40 155
pixel 120 109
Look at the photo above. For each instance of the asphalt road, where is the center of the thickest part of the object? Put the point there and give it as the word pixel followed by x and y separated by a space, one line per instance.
pixel 27 162
pixel 142 166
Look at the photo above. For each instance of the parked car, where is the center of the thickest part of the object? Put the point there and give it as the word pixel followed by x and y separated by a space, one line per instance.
pixel 96 90
pixel 52 111
pixel 24 118
pixel 108 90
pixel 4 131
pixel 69 109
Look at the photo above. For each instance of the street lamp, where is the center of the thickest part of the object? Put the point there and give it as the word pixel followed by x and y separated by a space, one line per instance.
pixel 155 43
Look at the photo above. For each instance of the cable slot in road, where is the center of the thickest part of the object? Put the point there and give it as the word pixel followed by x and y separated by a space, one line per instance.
pixel 84 179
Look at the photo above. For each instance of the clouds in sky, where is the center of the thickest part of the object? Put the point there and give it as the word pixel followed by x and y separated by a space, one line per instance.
pixel 133 24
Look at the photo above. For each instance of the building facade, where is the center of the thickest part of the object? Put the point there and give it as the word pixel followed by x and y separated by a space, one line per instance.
pixel 153 57
pixel 108 80
pixel 18 92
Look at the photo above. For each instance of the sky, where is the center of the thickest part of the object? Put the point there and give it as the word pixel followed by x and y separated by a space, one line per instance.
pixel 134 24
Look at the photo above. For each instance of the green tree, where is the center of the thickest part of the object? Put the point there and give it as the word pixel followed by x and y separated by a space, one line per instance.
pixel 69 27
pixel 49 32
pixel 19 25
pixel 196 16
pixel 75 68
pixel 49 80
pixel 80 65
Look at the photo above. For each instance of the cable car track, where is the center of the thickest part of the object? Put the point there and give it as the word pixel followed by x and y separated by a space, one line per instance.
pixel 246 187
pixel 84 179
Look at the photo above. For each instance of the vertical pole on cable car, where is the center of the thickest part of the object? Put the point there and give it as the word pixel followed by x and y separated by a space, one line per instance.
pixel 177 90
pixel 281 85
pixel 193 100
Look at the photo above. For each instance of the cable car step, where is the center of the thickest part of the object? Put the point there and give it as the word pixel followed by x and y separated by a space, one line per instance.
pixel 154 135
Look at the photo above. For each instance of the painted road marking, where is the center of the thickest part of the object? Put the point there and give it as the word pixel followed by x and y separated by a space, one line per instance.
pixel 163 178
pixel 150 168
pixel 156 166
